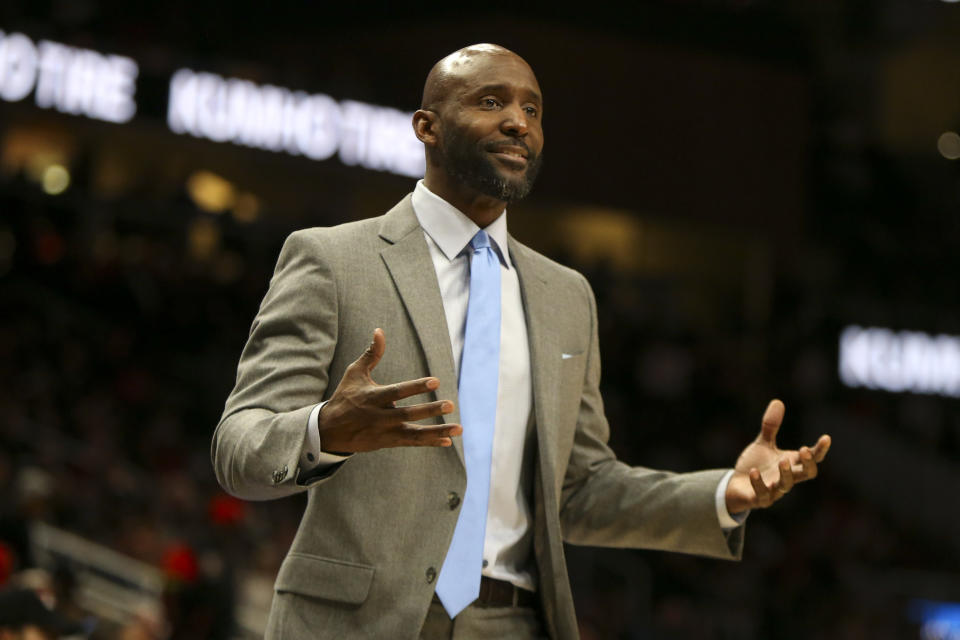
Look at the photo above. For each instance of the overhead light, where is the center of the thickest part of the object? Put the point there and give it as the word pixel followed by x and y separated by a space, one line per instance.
pixel 55 179
pixel 948 144
pixel 210 192
pixel 246 208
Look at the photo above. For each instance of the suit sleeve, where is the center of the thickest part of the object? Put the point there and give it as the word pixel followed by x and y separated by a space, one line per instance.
pixel 605 502
pixel 283 373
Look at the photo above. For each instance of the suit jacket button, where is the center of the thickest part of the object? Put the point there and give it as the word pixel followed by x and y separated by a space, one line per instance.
pixel 453 500
pixel 431 575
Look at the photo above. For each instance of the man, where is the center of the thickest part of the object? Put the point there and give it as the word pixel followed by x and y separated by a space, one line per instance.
pixel 450 530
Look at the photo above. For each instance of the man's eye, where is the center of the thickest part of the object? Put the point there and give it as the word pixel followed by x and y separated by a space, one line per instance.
pixel 490 103
pixel 531 111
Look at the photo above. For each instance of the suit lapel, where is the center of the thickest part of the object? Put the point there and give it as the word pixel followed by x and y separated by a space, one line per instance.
pixel 407 258
pixel 538 306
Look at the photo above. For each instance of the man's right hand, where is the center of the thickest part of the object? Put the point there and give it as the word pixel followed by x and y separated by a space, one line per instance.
pixel 362 415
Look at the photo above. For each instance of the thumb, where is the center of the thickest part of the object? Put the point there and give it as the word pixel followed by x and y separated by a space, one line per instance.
pixel 772 418
pixel 369 358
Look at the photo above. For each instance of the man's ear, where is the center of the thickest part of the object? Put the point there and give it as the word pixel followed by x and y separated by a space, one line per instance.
pixel 426 126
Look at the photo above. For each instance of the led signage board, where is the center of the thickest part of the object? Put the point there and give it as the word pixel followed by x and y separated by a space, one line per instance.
pixel 68 79
pixel 912 361
pixel 208 106
pixel 205 105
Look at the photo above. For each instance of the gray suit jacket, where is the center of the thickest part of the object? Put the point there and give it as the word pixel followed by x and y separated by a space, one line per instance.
pixel 376 529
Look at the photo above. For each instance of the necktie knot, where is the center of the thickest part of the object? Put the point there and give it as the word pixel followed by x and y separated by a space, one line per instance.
pixel 480 241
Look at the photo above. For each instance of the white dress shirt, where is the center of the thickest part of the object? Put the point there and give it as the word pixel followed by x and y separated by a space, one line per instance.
pixel 507 544
pixel 506 547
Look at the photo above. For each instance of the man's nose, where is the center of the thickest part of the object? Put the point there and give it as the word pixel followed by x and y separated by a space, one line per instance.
pixel 514 121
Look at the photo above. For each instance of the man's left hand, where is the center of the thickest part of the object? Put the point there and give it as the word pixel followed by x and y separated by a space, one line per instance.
pixel 764 473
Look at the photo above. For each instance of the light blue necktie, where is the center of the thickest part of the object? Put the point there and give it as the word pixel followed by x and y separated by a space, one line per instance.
pixel 459 582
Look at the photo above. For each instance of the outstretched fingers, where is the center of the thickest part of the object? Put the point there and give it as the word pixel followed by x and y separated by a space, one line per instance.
pixel 364 416
pixel 772 418
pixel 805 464
pixel 414 435
pixel 371 356
pixel 390 393
pixel 416 412
pixel 787 479
pixel 808 463
pixel 764 494
pixel 820 449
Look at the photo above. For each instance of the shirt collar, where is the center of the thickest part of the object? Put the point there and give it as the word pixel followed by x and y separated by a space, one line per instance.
pixel 451 229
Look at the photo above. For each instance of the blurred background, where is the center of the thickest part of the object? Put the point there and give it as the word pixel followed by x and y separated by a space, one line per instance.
pixel 764 195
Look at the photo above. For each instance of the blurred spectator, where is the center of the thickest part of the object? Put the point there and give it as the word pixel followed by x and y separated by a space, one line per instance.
pixel 24 617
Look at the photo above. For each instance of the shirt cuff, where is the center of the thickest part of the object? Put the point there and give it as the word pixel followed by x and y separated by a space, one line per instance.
pixel 727 521
pixel 313 457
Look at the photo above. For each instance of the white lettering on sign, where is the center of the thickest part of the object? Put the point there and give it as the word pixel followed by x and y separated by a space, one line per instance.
pixel 209 106
pixel 879 358
pixel 18 66
pixel 68 79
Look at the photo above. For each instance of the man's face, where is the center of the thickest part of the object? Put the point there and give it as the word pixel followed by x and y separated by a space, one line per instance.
pixel 492 136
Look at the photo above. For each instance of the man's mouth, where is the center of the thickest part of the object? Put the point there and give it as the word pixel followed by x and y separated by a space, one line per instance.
pixel 512 154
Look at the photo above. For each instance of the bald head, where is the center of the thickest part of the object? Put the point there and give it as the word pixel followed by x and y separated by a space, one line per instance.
pixel 455 70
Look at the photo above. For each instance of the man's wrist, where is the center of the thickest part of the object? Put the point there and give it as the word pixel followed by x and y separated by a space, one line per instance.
pixel 727 520
pixel 313 453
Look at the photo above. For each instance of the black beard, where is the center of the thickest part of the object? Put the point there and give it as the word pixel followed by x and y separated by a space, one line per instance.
pixel 471 165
